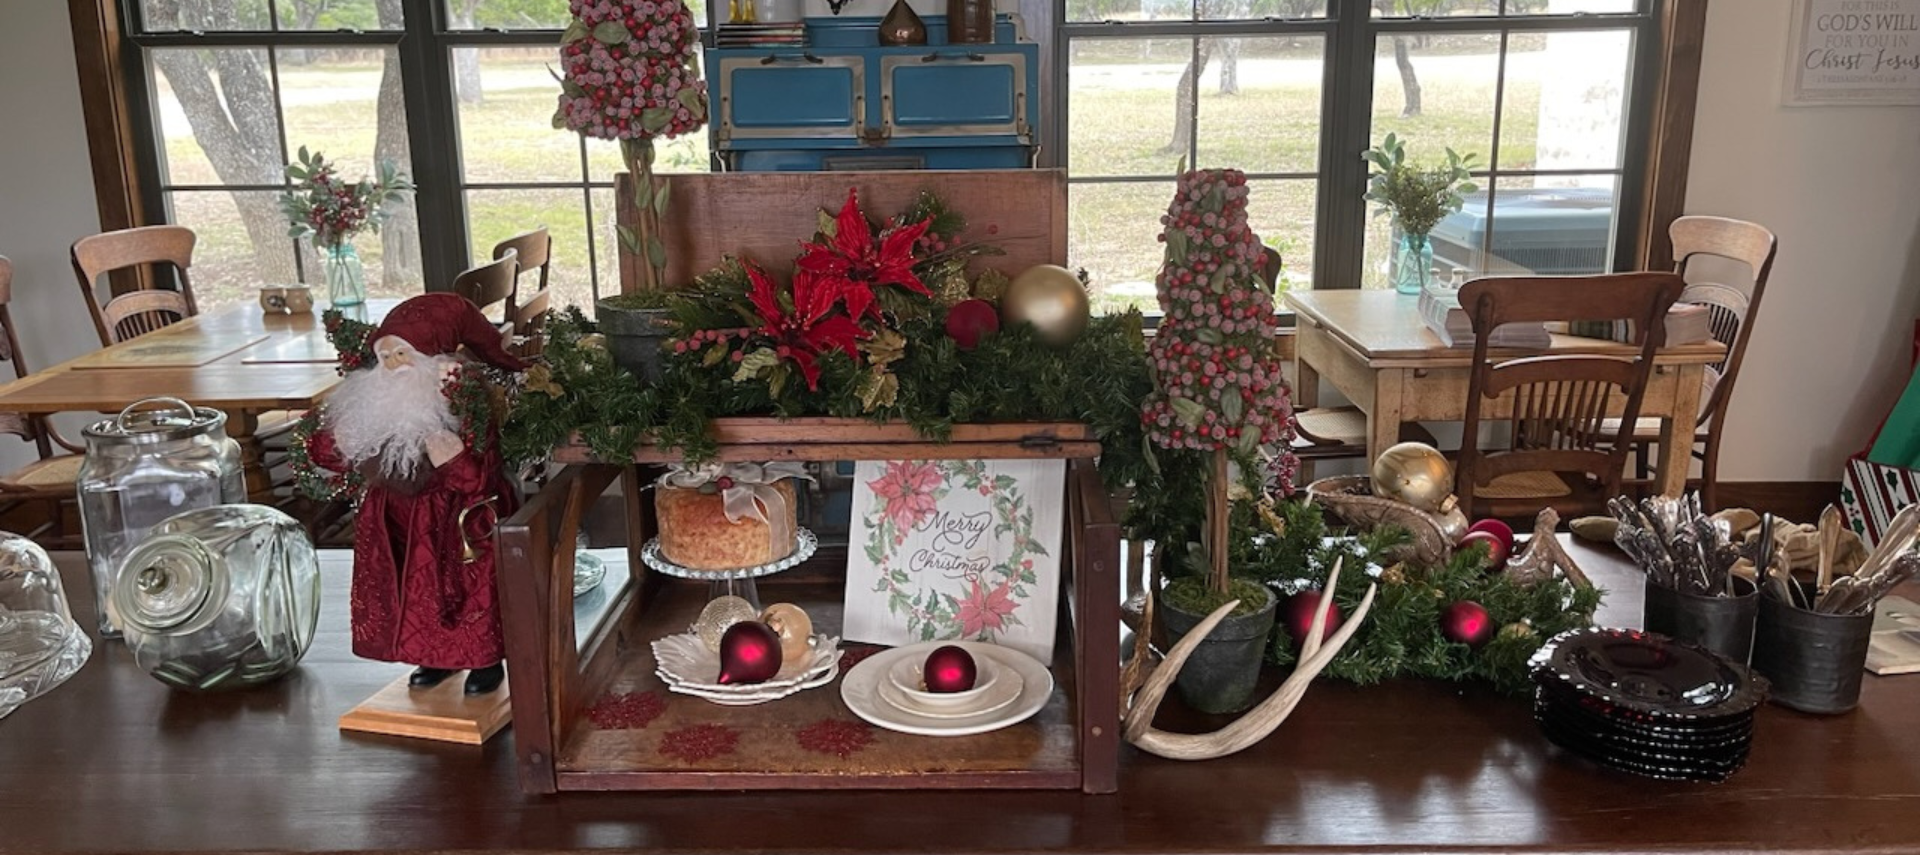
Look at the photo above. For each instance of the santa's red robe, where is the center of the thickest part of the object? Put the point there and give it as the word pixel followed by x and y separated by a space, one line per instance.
pixel 415 598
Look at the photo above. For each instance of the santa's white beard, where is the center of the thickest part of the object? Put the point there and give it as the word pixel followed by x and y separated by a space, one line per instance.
pixel 388 413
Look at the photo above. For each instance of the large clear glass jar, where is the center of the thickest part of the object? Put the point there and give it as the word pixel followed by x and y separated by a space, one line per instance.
pixel 143 466
pixel 40 644
pixel 220 597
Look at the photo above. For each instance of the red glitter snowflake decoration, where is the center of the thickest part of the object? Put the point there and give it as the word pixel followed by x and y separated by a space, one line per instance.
pixel 626 710
pixel 699 742
pixel 835 736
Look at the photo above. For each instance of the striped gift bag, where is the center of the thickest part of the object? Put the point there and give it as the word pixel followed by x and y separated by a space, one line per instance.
pixel 1871 493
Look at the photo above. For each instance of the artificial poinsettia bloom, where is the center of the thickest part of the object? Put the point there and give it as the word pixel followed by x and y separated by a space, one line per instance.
pixel 811 327
pixel 985 611
pixel 853 255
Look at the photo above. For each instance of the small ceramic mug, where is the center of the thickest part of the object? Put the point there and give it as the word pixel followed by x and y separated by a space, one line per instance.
pixel 289 299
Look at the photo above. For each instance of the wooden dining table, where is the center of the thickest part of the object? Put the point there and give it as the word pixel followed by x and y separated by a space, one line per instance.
pixel 1373 348
pixel 236 359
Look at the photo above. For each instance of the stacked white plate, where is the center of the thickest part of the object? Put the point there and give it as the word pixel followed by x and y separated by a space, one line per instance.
pixel 689 668
pixel 887 690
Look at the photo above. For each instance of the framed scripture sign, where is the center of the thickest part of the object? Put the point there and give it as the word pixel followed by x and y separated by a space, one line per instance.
pixel 956 549
pixel 1854 52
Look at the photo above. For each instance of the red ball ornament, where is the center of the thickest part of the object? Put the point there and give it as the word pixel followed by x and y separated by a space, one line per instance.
pixel 1468 623
pixel 1296 614
pixel 749 653
pixel 1498 528
pixel 969 321
pixel 949 669
pixel 1496 548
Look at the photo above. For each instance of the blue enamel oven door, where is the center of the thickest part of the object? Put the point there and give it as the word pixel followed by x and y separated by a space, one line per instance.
pixel 790 96
pixel 955 96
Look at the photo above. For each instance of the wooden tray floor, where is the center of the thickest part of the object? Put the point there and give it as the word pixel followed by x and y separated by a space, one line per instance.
pixel 1041 752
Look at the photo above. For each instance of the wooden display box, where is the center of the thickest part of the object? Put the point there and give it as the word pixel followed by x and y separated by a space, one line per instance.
pixel 559 669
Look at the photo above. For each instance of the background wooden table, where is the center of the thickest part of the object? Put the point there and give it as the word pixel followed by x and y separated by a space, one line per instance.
pixel 115 761
pixel 236 359
pixel 1373 347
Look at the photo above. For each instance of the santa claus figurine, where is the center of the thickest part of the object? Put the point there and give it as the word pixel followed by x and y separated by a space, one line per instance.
pixel 412 430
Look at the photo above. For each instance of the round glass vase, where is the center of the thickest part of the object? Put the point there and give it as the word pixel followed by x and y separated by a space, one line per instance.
pixel 346 276
pixel 1412 262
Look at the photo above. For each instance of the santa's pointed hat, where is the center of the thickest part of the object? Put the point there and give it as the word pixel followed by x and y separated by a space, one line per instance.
pixel 438 324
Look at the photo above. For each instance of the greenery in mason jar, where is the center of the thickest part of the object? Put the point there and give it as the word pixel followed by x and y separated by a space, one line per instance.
pixel 1417 198
pixel 332 210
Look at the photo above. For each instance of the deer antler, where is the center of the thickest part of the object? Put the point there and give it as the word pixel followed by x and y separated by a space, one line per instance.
pixel 1259 722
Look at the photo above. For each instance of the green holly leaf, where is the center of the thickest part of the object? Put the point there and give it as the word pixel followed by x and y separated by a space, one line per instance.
pixel 1177 246
pixel 575 32
pixel 1209 336
pixel 691 99
pixel 827 225
pixel 1190 412
pixel 1249 441
pixel 611 33
pixel 653 119
pixel 559 120
pixel 1231 407
pixel 754 364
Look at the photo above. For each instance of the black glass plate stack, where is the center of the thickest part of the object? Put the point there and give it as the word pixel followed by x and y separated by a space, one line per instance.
pixel 1642 703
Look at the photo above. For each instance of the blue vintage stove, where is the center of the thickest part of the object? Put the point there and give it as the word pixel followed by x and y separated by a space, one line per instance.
pixel 842 101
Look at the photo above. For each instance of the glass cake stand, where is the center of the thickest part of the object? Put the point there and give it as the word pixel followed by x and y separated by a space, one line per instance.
pixel 737 581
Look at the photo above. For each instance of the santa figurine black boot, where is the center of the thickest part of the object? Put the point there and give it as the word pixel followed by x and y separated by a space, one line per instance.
pixel 483 680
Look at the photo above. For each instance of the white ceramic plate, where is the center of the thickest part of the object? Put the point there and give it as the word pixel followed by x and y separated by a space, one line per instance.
pixel 993 697
pixel 860 690
pixel 813 682
pixel 684 661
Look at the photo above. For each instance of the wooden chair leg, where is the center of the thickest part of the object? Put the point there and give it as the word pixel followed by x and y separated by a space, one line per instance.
pixel 1710 474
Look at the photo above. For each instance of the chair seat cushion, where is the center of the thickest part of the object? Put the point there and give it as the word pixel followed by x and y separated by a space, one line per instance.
pixel 1525 485
pixel 52 475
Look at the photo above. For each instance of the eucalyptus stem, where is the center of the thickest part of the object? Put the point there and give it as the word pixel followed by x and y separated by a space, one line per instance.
pixel 1218 514
pixel 638 154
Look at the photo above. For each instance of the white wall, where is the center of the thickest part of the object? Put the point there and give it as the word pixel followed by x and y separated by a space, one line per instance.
pixel 1840 187
pixel 46 189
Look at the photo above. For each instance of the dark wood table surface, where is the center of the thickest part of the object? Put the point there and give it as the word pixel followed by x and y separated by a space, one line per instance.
pixel 115 761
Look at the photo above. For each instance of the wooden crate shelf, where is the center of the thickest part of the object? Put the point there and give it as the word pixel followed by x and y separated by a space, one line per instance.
pixel 1072 743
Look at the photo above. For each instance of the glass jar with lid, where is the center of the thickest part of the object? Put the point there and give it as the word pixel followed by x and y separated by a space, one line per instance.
pixel 40 644
pixel 220 598
pixel 143 466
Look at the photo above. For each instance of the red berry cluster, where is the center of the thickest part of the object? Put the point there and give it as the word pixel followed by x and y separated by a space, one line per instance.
pixel 1217 384
pixel 635 59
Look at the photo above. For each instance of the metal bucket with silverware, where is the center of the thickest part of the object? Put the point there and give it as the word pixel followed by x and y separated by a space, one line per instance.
pixel 1693 593
pixel 1812 638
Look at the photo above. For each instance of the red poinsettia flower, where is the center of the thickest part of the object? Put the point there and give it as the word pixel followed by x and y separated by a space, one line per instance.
pixel 854 255
pixel 810 328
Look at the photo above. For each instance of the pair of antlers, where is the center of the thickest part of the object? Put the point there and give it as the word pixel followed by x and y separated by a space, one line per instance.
pixel 1152 683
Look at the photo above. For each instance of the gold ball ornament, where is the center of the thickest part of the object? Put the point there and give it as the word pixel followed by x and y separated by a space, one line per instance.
pixel 1051 298
pixel 1416 474
pixel 795 629
pixel 720 613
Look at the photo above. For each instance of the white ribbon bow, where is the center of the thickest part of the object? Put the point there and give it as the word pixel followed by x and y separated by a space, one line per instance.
pixel 748 491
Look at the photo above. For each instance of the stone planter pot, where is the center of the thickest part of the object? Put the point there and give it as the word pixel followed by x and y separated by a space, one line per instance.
pixel 635 338
pixel 1221 674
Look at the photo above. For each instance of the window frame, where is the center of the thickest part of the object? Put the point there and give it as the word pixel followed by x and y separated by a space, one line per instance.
pixel 1350 34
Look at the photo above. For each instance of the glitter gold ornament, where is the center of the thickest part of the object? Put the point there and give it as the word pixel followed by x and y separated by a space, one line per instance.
pixel 1050 298
pixel 1414 473
pixel 721 613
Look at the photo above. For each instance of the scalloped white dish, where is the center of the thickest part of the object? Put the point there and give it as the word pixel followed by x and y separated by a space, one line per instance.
pixel 685 662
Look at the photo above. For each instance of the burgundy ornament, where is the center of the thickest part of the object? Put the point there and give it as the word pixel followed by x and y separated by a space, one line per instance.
pixel 749 653
pixel 969 321
pixel 1496 548
pixel 1296 614
pixel 1497 528
pixel 1468 623
pixel 949 669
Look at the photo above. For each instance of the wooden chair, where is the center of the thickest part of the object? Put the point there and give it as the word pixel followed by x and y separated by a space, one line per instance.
pixel 1559 455
pixel 527 308
pixel 489 286
pixel 125 315
pixel 51 479
pixel 1732 309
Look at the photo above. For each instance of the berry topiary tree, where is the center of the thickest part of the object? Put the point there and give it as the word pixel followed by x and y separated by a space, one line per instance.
pixel 1217 383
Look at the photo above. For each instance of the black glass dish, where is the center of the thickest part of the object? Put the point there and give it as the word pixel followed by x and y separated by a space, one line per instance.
pixel 1649 674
